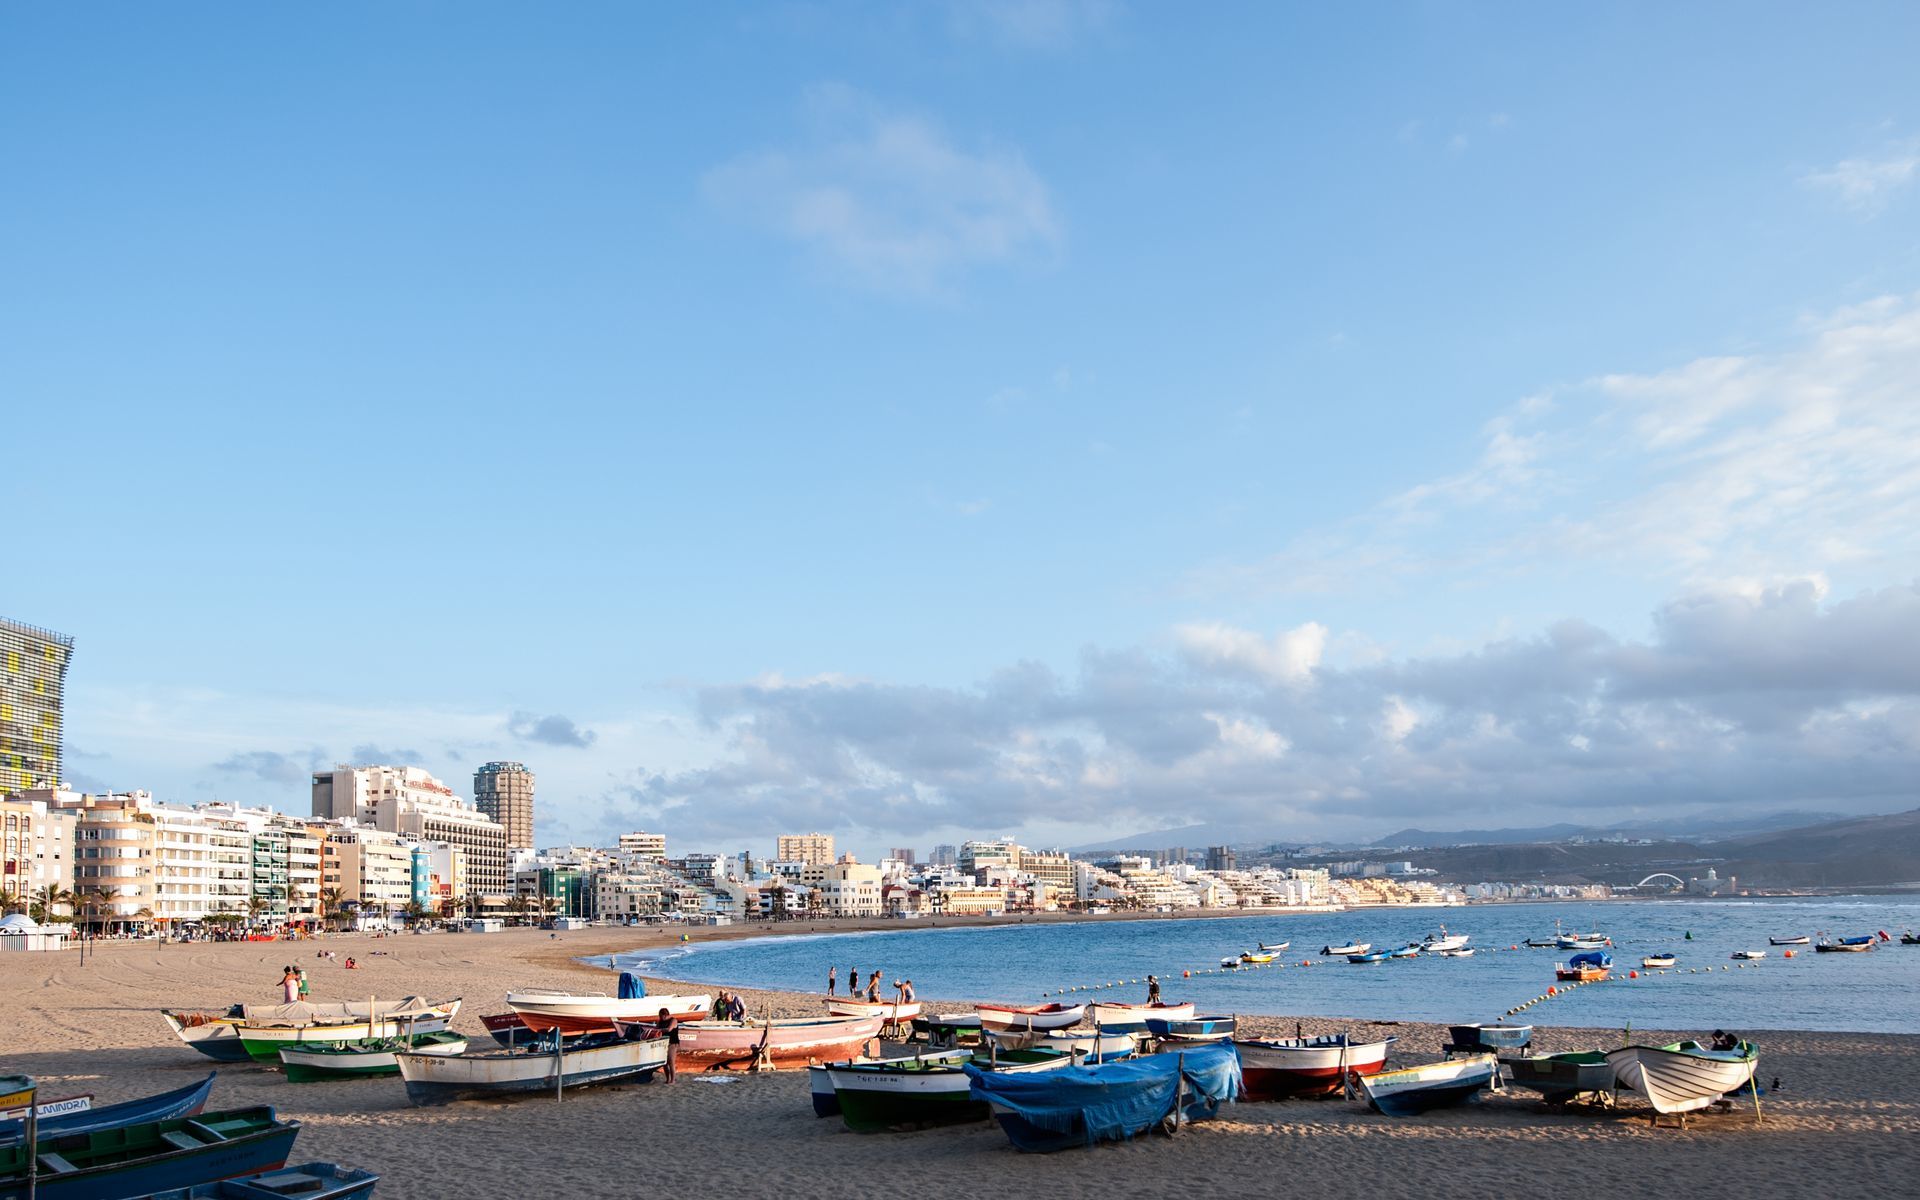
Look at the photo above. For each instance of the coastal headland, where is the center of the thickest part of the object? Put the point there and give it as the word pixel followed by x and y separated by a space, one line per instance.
pixel 1844 1118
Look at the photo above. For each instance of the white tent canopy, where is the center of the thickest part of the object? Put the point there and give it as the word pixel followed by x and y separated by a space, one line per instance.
pixel 21 932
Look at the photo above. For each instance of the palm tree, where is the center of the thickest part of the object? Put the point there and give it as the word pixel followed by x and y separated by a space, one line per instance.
pixel 91 898
pixel 144 913
pixel 330 901
pixel 518 907
pixel 12 902
pixel 547 904
pixel 47 899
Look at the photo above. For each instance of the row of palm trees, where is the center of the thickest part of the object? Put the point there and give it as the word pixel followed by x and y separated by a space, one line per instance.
pixel 92 902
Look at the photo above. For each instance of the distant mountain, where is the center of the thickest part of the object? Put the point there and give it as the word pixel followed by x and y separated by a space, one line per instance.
pixel 1193 837
pixel 1685 829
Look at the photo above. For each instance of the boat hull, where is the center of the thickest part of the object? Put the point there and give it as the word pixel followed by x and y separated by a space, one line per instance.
pixel 218 1038
pixel 1042 1018
pixel 571 1014
pixel 1561 1077
pixel 308 1181
pixel 312 1064
pixel 1789 941
pixel 1078 1106
pixel 166 1106
pixel 1413 1090
pixel 737 1046
pixel 1134 1018
pixel 1682 1077
pixel 1489 1037
pixel 434 1079
pixel 1279 1070
pixel 894 1014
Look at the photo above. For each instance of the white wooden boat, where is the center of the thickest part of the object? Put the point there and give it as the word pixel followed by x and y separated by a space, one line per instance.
pixel 575 1012
pixel 1749 954
pixel 1134 1017
pixel 443 1078
pixel 1033 1016
pixel 919 1092
pixel 1349 948
pixel 1274 947
pixel 1458 952
pixel 1413 1090
pixel 216 1035
pixel 309 1061
pixel 743 1045
pixel 820 1083
pixel 267 1029
pixel 1684 1076
pixel 1443 941
pixel 895 1013
pixel 1658 960
pixel 1105 1043
pixel 1798 939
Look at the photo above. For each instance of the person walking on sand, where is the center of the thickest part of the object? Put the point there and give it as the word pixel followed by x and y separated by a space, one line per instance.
pixel 833 980
pixel 670 1031
pixel 289 985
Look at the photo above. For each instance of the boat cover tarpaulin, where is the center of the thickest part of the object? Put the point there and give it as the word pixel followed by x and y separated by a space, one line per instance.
pixel 303 1013
pixel 1593 958
pixel 1116 1100
pixel 631 986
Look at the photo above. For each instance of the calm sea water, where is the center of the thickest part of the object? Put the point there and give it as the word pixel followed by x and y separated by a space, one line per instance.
pixel 1018 963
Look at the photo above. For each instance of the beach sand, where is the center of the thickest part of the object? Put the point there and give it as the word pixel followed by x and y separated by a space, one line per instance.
pixel 1844 1123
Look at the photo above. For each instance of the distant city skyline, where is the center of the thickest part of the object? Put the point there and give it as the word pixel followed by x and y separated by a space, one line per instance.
pixel 900 423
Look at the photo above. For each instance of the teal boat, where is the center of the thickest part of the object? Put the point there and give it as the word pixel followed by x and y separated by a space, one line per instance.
pixel 313 1061
pixel 916 1093
pixel 308 1181
pixel 155 1156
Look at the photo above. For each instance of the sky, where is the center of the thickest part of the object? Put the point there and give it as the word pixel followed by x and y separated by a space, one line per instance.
pixel 924 421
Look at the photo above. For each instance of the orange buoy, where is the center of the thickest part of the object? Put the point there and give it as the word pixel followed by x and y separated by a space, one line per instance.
pixel 1186 974
pixel 1552 991
pixel 1789 954
pixel 1633 974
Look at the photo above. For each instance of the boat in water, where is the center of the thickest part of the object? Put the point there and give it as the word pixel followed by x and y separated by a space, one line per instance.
pixel 1409 951
pixel 1411 1090
pixel 1277 1068
pixel 1133 1018
pixel 1461 952
pixel 1079 1105
pixel 1248 956
pixel 433 1079
pixel 152 1156
pixel 918 1093
pixel 1349 948
pixel 1370 957
pixel 1683 1076
pixel 1748 955
pixel 1440 943
pixel 1798 939
pixel 1275 947
pixel 1590 967
pixel 311 1062
pixel 1852 945
pixel 1659 960
pixel 308 1181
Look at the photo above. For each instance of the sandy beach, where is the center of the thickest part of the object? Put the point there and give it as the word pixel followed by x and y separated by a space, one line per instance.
pixel 1844 1120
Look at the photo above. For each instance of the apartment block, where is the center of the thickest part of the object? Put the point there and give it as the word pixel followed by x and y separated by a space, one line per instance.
pixel 814 849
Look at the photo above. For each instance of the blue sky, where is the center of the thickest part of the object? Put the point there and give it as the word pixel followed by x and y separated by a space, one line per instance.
pixel 923 420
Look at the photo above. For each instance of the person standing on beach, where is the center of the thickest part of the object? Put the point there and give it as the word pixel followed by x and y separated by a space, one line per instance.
pixel 289 985
pixel 1153 989
pixel 853 983
pixel 873 988
pixel 833 980
pixel 301 973
pixel 670 1031
pixel 906 992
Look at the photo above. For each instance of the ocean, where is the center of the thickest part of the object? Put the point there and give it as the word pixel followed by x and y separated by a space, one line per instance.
pixel 1023 963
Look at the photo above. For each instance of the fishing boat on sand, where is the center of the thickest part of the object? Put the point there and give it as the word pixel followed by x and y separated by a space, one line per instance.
pixel 1659 960
pixel 308 1181
pixel 894 1012
pixel 1274 1069
pixel 1134 1017
pixel 1102 1044
pixel 1798 939
pixel 1193 1030
pixel 267 1029
pixel 1479 1038
pixel 314 1061
pixel 794 1042
pixel 820 1084
pixel 917 1093
pixel 163 1106
pixel 1412 1090
pixel 1590 967
pixel 1078 1105
pixel 1683 1076
pixel 1561 1077
pixel 1031 1016
pixel 213 1034
pixel 1349 948
pixel 575 1012
pixel 153 1156
pixel 433 1079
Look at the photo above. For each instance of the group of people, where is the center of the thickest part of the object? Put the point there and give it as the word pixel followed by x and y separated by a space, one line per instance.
pixel 902 987
pixel 729 1007
pixel 293 984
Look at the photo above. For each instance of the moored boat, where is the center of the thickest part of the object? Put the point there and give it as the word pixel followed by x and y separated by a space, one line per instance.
pixel 1274 1069
pixel 1590 967
pixel 308 1181
pixel 313 1061
pixel 1078 1106
pixel 1440 943
pixel 742 1045
pixel 1744 955
pixel 1412 1090
pixel 1134 1017
pixel 1373 957
pixel 443 1078
pixel 1458 952
pixel 1409 951
pixel 1583 941
pixel 574 1012
pixel 267 1029
pixel 1853 945
pixel 1683 1076
pixel 1349 948
pixel 1910 938
pixel 1658 960
pixel 1274 947
pixel 1248 956
pixel 1547 943
pixel 1031 1016
pixel 915 1093
pixel 152 1156
pixel 1799 939
pixel 164 1106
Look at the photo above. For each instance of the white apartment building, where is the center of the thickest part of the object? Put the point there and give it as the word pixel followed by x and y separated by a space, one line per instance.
pixel 814 849
pixel 372 868
pixel 643 845
pixel 411 802
pixel 851 890
pixel 36 847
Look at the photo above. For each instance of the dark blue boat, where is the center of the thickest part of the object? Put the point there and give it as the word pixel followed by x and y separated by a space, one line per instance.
pixel 181 1102
pixel 308 1181
pixel 1078 1106
pixel 153 1156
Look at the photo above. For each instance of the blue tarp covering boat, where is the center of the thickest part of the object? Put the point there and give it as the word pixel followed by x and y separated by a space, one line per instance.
pixel 1592 958
pixel 632 987
pixel 1078 1106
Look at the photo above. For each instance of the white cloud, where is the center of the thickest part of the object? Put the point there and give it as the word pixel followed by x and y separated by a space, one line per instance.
pixel 1865 185
pixel 888 200
pixel 1290 657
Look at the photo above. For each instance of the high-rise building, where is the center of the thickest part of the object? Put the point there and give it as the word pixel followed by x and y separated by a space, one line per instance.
pixel 814 849
pixel 903 854
pixel 504 791
pixel 410 802
pixel 944 855
pixel 1220 858
pixel 643 845
pixel 33 686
